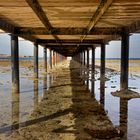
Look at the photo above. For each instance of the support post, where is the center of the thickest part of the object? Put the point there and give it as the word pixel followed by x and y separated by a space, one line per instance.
pixel 102 61
pixel 93 69
pixel 87 58
pixel 102 76
pixel 124 117
pixel 50 58
pixel 36 60
pixel 124 61
pixel 84 59
pixel 15 63
pixel 53 58
pixel 45 59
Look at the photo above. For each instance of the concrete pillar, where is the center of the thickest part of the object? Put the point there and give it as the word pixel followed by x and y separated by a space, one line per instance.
pixel 45 59
pixel 36 60
pixel 102 61
pixel 50 58
pixel 15 110
pixel 124 61
pixel 35 84
pixel 84 58
pixel 88 58
pixel 102 76
pixel 53 58
pixel 44 85
pixel 124 117
pixel 93 70
pixel 93 62
pixel 15 63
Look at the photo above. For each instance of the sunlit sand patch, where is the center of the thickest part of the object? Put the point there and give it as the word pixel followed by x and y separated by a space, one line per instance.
pixel 127 94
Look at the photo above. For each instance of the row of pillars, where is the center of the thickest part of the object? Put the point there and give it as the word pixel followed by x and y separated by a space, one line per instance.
pixel 54 59
pixel 83 58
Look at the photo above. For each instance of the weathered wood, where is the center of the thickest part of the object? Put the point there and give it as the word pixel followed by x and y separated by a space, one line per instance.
pixel 15 63
pixel 124 60
pixel 101 21
pixel 102 8
pixel 67 31
pixel 36 60
pixel 34 4
pixel 7 27
pixel 70 41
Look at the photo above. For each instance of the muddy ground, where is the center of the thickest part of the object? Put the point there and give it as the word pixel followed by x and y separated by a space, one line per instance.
pixel 67 111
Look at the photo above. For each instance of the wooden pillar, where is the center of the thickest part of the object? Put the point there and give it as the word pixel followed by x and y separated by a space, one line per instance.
pixel 45 59
pixel 50 58
pixel 124 61
pixel 15 63
pixel 36 60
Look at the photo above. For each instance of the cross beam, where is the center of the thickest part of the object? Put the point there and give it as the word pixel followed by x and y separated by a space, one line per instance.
pixel 103 7
pixel 34 4
pixel 70 41
pixel 67 31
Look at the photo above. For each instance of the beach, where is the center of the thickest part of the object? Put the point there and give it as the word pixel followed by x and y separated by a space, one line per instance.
pixel 55 93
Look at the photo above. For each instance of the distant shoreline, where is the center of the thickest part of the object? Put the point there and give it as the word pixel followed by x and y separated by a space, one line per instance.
pixel 31 58
pixel 22 58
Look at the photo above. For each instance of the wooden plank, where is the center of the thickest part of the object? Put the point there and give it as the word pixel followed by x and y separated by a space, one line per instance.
pixel 34 4
pixel 70 41
pixel 6 26
pixel 67 31
pixel 134 27
pixel 103 7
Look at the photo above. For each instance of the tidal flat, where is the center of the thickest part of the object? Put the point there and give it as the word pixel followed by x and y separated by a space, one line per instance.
pixel 61 104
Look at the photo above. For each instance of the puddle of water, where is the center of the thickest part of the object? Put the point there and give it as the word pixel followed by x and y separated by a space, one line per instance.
pixel 17 108
pixel 122 113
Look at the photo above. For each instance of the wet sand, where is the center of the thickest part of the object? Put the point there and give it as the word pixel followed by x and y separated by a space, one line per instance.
pixel 134 65
pixel 62 106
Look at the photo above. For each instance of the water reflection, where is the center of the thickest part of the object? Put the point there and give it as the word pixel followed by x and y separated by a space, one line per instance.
pixel 44 85
pixel 15 108
pixel 102 92
pixel 123 117
pixel 35 84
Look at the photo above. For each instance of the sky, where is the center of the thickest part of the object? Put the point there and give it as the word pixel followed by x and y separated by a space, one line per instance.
pixel 113 49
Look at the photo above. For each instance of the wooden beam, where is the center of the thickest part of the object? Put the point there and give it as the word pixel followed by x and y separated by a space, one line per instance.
pixel 9 28
pixel 103 7
pixel 6 26
pixel 134 27
pixel 36 7
pixel 67 31
pixel 70 41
